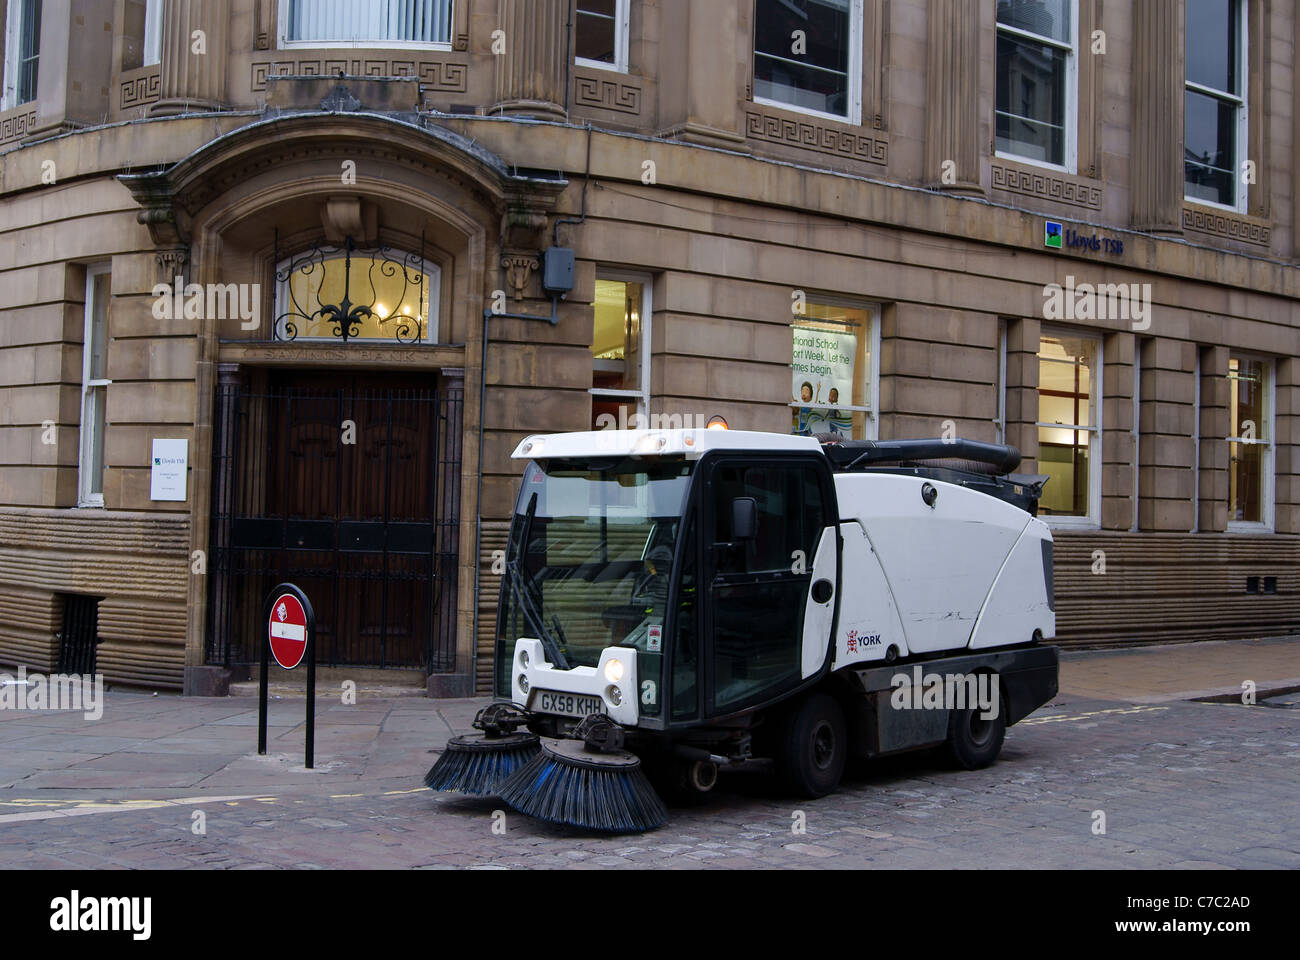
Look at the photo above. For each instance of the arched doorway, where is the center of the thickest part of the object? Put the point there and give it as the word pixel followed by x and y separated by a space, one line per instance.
pixel 336 453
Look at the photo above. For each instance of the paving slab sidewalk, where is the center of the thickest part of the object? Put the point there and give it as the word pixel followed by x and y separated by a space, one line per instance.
pixel 1183 671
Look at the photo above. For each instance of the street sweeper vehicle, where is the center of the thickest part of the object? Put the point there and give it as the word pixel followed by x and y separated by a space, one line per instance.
pixel 678 603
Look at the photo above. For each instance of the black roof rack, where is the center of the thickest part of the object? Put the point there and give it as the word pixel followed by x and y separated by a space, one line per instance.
pixel 986 467
pixel 851 454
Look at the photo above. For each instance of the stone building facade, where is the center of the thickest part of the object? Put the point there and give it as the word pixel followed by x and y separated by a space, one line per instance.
pixel 1066 224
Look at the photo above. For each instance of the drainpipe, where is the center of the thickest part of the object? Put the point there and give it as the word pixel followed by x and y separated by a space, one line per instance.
pixel 586 182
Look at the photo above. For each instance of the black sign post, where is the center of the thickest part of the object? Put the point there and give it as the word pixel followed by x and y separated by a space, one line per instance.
pixel 311 686
pixel 290 634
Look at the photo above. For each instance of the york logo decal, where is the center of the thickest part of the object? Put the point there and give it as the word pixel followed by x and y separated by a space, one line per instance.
pixel 858 639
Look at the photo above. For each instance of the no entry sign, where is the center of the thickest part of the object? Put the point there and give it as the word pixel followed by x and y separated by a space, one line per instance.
pixel 290 634
pixel 287 630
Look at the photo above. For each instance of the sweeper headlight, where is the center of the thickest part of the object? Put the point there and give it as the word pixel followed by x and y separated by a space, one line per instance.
pixel 613 670
pixel 523 682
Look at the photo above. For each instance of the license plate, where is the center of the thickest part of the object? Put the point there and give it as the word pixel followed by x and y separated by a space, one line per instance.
pixel 567 704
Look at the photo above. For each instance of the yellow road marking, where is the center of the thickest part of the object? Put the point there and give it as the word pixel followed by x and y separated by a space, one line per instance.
pixel 1059 718
pixel 80 808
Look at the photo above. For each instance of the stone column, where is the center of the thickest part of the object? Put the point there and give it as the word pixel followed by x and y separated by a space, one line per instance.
pixel 952 130
pixel 75 64
pixel 1117 439
pixel 1166 481
pixel 1260 67
pixel 1157 91
pixel 1295 138
pixel 1286 460
pixel 1295 135
pixel 531 72
pixel 192 75
pixel 699 83
pixel 1023 337
pixel 1212 479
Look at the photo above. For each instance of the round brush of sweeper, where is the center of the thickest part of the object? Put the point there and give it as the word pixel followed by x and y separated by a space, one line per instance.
pixel 590 782
pixel 477 763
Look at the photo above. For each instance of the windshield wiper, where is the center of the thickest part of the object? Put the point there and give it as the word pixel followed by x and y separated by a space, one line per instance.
pixel 517 587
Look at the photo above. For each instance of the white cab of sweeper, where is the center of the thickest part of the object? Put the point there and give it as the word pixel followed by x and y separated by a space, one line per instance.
pixel 612 685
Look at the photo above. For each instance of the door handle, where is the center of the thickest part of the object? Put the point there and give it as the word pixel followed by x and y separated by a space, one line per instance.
pixel 822 591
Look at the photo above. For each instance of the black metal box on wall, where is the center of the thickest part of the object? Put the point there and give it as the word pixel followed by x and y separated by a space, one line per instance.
pixel 557 269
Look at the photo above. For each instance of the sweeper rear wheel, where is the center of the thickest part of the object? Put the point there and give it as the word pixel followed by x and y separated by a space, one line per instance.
pixel 974 742
pixel 813 746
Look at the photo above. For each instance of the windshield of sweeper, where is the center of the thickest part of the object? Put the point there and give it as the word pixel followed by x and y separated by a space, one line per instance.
pixel 590 555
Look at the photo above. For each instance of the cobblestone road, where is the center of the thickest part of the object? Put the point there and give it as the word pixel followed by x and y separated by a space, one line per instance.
pixel 1180 784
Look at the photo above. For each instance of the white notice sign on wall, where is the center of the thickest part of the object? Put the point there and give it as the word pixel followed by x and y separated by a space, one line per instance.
pixel 170 463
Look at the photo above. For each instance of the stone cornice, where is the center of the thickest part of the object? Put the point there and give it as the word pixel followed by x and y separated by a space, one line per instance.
pixel 618 156
pixel 842 196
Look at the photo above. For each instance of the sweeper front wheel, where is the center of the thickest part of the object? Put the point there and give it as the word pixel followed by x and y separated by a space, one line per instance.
pixel 813 746
pixel 683 783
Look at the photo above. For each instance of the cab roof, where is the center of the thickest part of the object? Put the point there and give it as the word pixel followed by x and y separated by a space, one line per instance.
pixel 657 443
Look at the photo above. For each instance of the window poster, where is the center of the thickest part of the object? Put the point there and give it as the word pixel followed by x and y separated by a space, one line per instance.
pixel 822 381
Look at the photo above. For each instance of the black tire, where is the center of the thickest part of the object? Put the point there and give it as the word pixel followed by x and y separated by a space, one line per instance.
pixel 974 742
pixel 672 779
pixel 813 746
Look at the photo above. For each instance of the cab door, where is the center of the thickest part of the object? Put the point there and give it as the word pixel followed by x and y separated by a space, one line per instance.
pixel 770 591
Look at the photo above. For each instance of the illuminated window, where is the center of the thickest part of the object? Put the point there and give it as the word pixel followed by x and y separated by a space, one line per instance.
pixel 387 295
pixel 1069 438
pixel 620 356
pixel 1215 102
pixel 1036 81
pixel 1250 447
pixel 600 34
pixel 832 390
pixel 94 387
pixel 807 56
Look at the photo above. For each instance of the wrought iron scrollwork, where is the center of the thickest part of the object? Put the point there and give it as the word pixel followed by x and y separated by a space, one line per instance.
pixel 346 316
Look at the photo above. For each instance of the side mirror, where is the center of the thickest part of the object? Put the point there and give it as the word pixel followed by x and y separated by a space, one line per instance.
pixel 744 518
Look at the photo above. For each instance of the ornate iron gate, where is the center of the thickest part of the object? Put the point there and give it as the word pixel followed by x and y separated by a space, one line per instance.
pixel 349 487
